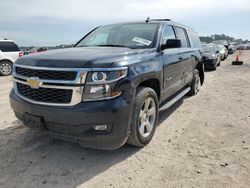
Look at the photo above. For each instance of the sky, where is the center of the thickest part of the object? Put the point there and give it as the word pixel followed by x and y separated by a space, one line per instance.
pixel 54 22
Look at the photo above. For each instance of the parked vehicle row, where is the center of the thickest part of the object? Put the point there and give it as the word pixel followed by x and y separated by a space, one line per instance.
pixel 230 46
pixel 35 50
pixel 216 52
pixel 243 46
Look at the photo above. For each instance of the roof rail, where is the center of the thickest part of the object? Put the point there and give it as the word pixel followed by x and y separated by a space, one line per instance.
pixel 149 20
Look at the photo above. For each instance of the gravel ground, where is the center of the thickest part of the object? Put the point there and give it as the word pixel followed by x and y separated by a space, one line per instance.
pixel 202 141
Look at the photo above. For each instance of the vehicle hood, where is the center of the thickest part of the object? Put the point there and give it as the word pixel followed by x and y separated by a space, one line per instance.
pixel 84 57
pixel 208 54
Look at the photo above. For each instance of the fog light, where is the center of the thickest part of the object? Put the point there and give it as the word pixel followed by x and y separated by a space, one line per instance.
pixel 100 127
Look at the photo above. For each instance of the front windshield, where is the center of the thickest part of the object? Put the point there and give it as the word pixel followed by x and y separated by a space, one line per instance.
pixel 208 48
pixel 123 35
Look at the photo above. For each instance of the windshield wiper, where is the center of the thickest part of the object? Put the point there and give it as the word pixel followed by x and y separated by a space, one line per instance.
pixel 107 45
pixel 114 45
pixel 83 46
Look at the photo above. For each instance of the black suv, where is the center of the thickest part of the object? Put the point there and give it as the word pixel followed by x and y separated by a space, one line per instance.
pixel 109 88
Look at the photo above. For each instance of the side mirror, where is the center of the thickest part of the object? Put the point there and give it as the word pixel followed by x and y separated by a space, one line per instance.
pixel 171 43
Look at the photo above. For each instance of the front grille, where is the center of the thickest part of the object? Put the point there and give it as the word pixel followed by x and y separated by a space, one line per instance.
pixel 46 95
pixel 47 74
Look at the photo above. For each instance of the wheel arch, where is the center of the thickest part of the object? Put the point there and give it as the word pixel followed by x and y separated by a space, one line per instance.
pixel 6 60
pixel 152 83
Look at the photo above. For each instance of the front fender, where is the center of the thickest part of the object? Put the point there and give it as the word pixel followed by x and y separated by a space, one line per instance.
pixel 143 71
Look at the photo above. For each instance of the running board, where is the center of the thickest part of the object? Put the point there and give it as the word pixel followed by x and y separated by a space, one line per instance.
pixel 174 100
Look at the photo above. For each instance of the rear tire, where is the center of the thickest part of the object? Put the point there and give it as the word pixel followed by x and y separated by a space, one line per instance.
pixel 196 83
pixel 5 68
pixel 145 117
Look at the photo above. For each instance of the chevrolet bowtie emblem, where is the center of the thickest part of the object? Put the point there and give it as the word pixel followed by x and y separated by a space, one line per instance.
pixel 34 82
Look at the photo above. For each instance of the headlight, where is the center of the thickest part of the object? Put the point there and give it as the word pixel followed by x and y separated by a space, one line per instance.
pixel 100 84
pixel 212 57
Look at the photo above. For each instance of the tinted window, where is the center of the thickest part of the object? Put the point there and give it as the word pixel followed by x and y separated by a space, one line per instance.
pixel 8 47
pixel 126 35
pixel 168 33
pixel 196 43
pixel 181 33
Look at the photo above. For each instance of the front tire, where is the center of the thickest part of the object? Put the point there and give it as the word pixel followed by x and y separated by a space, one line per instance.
pixel 5 68
pixel 145 117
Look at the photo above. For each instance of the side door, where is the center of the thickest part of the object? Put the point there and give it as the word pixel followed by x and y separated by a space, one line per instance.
pixel 187 55
pixel 172 68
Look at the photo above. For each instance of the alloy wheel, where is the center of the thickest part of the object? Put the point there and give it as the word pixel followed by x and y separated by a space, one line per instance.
pixel 147 117
pixel 5 69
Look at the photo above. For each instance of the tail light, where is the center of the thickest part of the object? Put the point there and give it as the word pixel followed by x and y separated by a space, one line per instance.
pixel 21 54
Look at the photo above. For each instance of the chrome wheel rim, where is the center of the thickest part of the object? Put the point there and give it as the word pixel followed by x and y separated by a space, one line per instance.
pixel 147 117
pixel 5 68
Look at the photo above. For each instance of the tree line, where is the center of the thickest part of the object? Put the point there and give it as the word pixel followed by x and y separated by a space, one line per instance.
pixel 214 37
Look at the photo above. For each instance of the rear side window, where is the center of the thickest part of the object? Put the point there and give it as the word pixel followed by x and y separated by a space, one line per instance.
pixel 195 40
pixel 182 35
pixel 8 47
pixel 168 33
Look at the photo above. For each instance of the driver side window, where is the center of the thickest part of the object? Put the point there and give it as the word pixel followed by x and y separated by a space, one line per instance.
pixel 168 33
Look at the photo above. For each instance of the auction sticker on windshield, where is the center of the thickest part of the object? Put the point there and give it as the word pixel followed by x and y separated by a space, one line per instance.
pixel 142 41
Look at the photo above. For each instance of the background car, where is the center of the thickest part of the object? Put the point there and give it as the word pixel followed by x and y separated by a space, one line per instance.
pixel 223 52
pixel 33 51
pixel 9 52
pixel 211 56
pixel 232 48
pixel 42 49
pixel 221 42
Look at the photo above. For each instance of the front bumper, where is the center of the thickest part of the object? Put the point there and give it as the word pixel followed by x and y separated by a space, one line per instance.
pixel 209 63
pixel 75 123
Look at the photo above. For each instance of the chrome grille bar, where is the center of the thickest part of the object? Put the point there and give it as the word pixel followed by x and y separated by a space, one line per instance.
pixel 77 89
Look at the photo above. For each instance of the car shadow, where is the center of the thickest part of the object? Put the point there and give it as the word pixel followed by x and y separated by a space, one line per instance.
pixel 32 159
pixel 166 113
